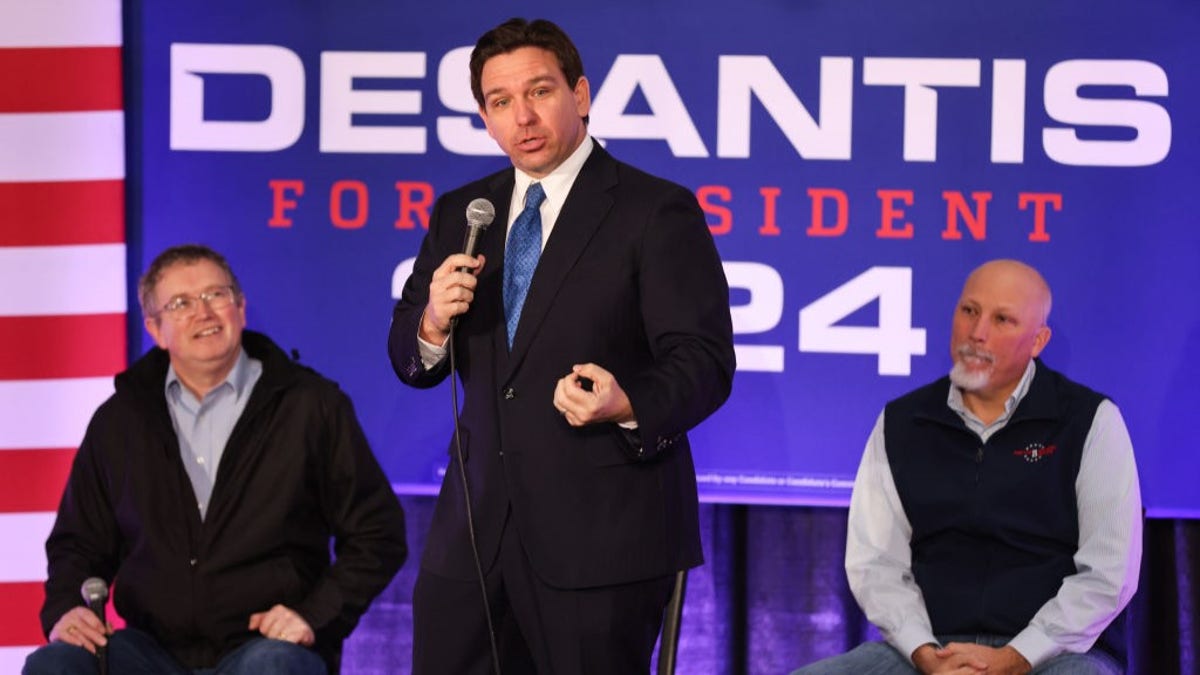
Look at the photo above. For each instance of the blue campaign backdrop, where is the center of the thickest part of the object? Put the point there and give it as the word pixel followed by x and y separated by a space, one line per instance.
pixel 855 160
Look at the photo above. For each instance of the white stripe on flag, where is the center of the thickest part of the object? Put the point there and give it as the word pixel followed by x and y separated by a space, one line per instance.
pixel 24 535
pixel 57 280
pixel 12 659
pixel 49 413
pixel 45 147
pixel 60 23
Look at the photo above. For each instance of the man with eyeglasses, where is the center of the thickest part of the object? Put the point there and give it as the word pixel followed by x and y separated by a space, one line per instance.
pixel 209 487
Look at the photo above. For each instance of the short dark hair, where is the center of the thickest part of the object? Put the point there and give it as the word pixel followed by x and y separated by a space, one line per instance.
pixel 186 254
pixel 516 33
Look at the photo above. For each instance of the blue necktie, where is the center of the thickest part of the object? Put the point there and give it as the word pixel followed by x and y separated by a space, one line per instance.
pixel 521 257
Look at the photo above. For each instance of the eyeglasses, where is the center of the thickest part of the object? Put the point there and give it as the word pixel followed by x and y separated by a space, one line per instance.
pixel 184 306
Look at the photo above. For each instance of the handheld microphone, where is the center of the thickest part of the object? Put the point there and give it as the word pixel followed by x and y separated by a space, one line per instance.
pixel 480 214
pixel 95 593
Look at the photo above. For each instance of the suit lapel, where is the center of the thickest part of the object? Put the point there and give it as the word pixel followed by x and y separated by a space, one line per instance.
pixel 582 214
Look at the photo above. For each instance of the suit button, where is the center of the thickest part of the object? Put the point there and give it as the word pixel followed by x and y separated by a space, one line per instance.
pixel 509 393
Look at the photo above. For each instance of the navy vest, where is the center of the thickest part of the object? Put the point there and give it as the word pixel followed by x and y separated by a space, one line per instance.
pixel 995 525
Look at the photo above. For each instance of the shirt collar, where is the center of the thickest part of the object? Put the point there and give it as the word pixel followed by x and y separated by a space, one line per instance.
pixel 238 378
pixel 955 401
pixel 558 182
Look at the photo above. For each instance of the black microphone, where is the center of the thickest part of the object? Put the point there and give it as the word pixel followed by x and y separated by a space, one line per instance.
pixel 95 593
pixel 480 214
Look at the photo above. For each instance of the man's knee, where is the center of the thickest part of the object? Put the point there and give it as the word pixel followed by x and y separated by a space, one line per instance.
pixel 1094 662
pixel 873 658
pixel 60 658
pixel 267 657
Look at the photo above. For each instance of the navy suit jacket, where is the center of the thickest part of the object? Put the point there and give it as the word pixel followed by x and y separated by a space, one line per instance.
pixel 629 279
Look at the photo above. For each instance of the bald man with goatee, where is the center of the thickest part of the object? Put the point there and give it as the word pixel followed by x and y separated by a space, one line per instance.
pixel 995 524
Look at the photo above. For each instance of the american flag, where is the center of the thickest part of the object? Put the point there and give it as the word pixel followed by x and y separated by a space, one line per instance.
pixel 62 272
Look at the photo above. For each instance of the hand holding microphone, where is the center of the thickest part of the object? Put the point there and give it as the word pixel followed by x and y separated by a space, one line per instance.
pixel 452 288
pixel 85 626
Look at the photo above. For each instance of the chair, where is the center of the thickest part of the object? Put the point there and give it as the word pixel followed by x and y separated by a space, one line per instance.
pixel 672 618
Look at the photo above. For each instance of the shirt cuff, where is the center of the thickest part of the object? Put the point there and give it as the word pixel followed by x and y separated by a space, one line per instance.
pixel 1035 646
pixel 431 354
pixel 906 640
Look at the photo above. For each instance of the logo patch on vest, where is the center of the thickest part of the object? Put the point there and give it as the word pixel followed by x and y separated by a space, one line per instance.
pixel 1034 452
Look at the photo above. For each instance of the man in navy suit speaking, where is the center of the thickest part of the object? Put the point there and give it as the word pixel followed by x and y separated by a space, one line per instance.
pixel 590 333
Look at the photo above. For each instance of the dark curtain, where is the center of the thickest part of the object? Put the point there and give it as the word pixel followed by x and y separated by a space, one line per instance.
pixel 772 596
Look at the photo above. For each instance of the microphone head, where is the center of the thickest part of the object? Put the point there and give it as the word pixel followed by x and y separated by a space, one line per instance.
pixel 480 213
pixel 94 589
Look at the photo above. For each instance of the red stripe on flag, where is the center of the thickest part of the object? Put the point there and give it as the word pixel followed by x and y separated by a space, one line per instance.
pixel 73 212
pixel 19 623
pixel 33 480
pixel 60 79
pixel 76 345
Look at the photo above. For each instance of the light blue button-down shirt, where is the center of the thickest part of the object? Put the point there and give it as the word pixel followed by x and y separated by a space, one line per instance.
pixel 203 426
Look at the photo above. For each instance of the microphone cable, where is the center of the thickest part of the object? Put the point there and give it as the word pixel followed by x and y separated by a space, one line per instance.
pixel 462 472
